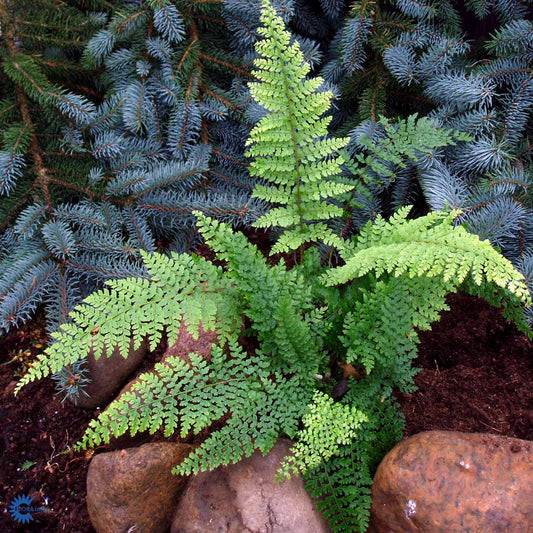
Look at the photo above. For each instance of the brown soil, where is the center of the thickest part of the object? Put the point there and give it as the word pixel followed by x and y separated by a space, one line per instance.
pixel 477 374
pixel 476 377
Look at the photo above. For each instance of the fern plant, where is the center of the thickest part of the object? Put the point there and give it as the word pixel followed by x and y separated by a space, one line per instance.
pixel 301 325
pixel 305 321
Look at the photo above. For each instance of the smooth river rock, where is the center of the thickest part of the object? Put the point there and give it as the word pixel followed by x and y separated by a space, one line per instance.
pixel 108 375
pixel 444 482
pixel 244 498
pixel 133 490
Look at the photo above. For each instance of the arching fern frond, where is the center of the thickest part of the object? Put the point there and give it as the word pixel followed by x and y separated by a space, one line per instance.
pixel 427 246
pixel 131 310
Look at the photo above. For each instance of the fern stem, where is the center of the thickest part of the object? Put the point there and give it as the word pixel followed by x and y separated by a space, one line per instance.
pixel 296 158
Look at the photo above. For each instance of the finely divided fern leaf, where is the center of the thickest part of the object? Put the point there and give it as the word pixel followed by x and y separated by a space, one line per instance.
pixel 289 144
pixel 427 246
pixel 132 310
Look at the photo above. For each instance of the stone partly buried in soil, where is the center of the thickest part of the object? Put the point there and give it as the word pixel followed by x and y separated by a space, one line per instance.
pixel 108 375
pixel 244 498
pixel 443 481
pixel 134 489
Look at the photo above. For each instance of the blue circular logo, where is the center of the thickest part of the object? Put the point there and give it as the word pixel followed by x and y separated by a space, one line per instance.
pixel 20 509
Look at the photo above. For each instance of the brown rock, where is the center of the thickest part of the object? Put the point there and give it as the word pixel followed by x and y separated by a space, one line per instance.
pixel 444 481
pixel 134 489
pixel 244 498
pixel 186 344
pixel 108 374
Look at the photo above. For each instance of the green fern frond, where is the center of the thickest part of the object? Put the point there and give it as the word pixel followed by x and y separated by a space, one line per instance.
pixel 274 406
pixel 277 306
pixel 179 396
pixel 378 332
pixel 327 427
pixel 407 140
pixel 342 484
pixel 289 144
pixel 427 246
pixel 180 287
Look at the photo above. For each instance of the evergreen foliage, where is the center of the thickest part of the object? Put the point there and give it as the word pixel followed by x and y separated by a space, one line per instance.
pixel 44 93
pixel 382 156
pixel 94 178
pixel 301 324
pixel 92 172
pixel 396 58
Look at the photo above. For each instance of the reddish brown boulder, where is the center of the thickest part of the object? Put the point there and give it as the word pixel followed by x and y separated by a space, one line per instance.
pixel 186 344
pixel 134 489
pixel 244 498
pixel 108 374
pixel 444 481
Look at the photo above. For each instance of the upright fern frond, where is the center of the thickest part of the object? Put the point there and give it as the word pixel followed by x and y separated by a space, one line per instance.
pixel 290 144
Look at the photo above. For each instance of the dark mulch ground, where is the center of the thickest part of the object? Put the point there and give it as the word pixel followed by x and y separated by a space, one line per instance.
pixel 477 375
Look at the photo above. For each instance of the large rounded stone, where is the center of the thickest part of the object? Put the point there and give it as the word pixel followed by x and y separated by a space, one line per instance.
pixel 108 375
pixel 134 489
pixel 186 344
pixel 443 481
pixel 244 498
